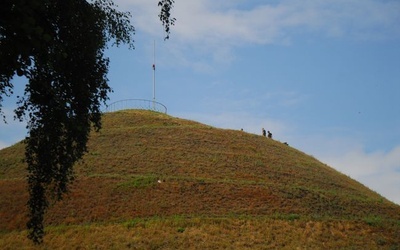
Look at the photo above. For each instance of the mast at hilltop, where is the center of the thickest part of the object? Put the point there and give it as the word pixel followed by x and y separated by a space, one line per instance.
pixel 154 73
pixel 146 104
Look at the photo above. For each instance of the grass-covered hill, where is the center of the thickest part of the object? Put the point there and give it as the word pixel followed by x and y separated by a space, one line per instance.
pixel 152 181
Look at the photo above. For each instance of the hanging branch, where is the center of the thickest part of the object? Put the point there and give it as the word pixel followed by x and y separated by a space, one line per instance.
pixel 165 15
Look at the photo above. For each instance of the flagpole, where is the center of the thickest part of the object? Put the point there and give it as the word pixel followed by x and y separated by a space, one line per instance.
pixel 154 73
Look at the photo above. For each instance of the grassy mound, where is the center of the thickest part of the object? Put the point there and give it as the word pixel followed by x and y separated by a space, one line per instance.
pixel 151 180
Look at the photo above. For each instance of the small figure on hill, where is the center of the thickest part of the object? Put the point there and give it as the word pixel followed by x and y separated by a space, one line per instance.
pixel 287 144
pixel 263 132
pixel 269 135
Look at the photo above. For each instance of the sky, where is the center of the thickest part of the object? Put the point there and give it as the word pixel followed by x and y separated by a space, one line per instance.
pixel 321 75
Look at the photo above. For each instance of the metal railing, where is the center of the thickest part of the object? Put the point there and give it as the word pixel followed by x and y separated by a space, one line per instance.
pixel 136 104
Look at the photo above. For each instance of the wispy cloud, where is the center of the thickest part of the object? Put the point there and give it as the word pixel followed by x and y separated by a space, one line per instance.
pixel 205 21
pixel 378 170
pixel 3 145
pixel 215 28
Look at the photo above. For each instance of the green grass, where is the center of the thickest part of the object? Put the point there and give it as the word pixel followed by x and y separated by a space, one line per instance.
pixel 139 182
pixel 373 220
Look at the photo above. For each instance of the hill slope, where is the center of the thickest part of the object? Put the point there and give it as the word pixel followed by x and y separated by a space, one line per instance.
pixel 207 174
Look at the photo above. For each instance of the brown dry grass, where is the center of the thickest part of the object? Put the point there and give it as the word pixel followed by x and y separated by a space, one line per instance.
pixel 212 179
pixel 210 233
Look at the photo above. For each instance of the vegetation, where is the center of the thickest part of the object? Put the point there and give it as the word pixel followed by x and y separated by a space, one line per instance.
pixel 58 46
pixel 219 189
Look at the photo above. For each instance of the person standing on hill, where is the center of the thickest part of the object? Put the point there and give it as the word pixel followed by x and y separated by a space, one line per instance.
pixel 269 135
pixel 263 132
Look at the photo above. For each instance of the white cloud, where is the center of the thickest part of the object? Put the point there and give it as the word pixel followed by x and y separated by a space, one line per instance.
pixel 200 21
pixel 215 28
pixel 3 145
pixel 378 170
pixel 204 21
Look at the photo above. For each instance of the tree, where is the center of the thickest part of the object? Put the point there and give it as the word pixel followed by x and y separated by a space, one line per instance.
pixel 59 47
pixel 165 15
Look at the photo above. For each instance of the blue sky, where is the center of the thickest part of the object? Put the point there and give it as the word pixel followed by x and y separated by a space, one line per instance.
pixel 322 75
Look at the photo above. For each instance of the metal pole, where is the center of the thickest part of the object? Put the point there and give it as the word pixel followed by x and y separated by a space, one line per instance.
pixel 154 74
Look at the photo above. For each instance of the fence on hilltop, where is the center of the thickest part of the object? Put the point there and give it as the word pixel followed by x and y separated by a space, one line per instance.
pixel 136 104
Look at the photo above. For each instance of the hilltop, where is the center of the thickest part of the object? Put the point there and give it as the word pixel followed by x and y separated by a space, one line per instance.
pixel 165 182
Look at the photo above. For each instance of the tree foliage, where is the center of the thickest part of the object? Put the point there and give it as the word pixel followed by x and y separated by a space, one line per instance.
pixel 165 15
pixel 59 47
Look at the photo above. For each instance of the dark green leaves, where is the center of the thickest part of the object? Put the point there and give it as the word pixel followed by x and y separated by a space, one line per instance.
pixel 165 15
pixel 59 47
